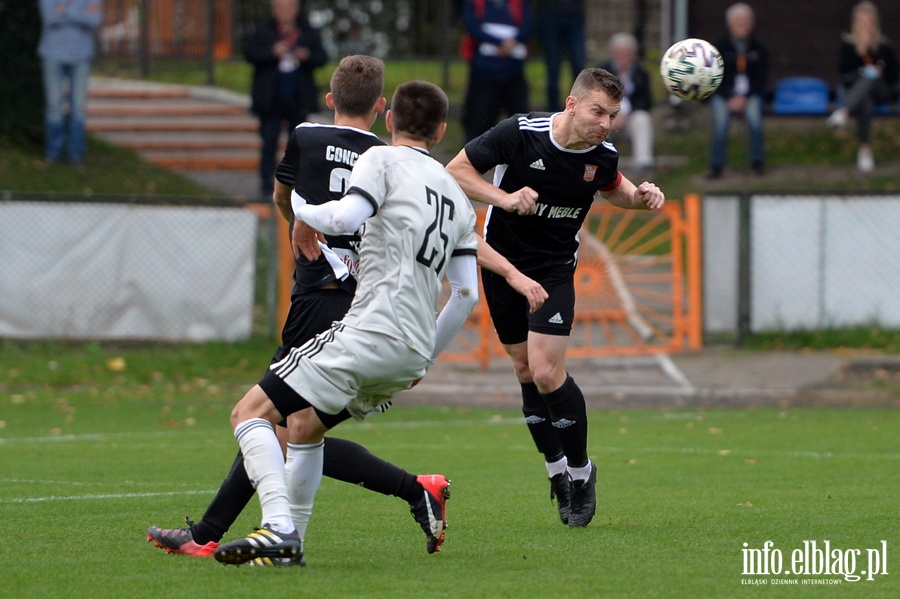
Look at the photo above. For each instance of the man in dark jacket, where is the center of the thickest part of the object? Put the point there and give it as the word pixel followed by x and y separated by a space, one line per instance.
pixel 634 118
pixel 284 51
pixel 499 30
pixel 743 89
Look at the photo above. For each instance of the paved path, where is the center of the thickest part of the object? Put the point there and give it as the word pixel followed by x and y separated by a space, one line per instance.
pixel 714 377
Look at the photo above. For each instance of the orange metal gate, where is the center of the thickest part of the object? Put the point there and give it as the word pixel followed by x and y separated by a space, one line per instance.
pixel 637 286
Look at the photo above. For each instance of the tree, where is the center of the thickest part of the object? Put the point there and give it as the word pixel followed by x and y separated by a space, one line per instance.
pixel 22 93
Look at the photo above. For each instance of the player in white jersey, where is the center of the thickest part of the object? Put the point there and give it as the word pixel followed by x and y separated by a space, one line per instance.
pixel 418 227
pixel 316 169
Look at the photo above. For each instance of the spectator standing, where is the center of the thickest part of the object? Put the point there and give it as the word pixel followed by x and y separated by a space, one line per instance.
pixel 284 51
pixel 561 27
pixel 634 117
pixel 499 31
pixel 743 89
pixel 66 50
pixel 869 71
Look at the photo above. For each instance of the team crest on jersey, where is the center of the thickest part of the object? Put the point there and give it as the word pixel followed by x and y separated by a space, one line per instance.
pixel 589 171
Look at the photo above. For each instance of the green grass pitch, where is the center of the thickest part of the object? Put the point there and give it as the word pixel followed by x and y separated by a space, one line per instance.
pixel 89 459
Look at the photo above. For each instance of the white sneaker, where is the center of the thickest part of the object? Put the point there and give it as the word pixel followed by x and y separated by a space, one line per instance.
pixel 838 119
pixel 865 161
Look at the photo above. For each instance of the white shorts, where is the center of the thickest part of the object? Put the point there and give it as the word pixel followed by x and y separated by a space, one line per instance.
pixel 344 367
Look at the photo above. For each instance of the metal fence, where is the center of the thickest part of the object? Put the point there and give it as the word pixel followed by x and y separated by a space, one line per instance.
pixel 787 262
pixel 119 268
pixel 144 36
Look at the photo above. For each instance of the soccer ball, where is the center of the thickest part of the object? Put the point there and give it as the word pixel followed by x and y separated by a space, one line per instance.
pixel 692 69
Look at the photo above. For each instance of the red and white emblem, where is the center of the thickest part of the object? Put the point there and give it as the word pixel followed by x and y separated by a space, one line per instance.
pixel 589 171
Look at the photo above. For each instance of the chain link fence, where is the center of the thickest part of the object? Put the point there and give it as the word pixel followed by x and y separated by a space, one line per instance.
pixel 113 268
pixel 142 37
pixel 794 263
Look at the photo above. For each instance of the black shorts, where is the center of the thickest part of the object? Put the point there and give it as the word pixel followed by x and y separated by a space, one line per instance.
pixel 509 309
pixel 309 314
pixel 287 401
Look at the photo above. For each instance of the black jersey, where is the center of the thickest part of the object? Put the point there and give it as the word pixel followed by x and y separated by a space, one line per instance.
pixel 525 155
pixel 317 164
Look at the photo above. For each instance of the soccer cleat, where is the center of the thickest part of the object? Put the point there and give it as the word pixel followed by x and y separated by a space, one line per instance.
pixel 277 562
pixel 584 500
pixel 561 491
pixel 180 540
pixel 431 511
pixel 261 543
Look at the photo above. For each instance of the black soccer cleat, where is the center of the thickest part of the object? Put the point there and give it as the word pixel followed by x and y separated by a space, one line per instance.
pixel 277 562
pixel 584 500
pixel 560 490
pixel 262 542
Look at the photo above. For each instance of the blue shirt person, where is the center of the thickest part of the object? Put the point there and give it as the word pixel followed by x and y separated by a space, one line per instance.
pixel 66 50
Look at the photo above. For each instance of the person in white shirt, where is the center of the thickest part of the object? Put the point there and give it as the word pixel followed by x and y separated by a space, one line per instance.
pixel 417 226
pixel 634 119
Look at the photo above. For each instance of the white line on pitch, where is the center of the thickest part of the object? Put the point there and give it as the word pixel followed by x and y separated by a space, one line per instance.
pixel 25 481
pixel 162 434
pixel 92 437
pixel 725 451
pixel 104 496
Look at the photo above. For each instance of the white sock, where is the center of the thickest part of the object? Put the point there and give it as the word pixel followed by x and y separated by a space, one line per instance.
pixel 582 473
pixel 303 474
pixel 265 467
pixel 557 467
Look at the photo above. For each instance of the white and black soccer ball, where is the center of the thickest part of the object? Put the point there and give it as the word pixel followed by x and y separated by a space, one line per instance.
pixel 692 69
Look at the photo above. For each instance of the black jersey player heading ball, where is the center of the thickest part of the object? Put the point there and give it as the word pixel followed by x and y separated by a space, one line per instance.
pixel 547 170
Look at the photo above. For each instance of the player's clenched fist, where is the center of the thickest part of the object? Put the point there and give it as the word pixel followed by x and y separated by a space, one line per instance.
pixel 522 201
pixel 649 195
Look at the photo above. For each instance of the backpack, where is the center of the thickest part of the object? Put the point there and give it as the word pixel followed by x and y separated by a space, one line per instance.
pixel 467 43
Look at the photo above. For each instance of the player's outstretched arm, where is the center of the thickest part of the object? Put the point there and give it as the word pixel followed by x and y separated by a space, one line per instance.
pixel 522 201
pixel 495 262
pixel 335 218
pixel 463 277
pixel 646 196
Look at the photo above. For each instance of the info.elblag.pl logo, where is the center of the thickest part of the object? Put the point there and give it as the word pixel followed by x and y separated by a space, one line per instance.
pixel 813 558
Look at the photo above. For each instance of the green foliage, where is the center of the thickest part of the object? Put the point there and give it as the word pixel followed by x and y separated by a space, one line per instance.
pixel 871 338
pixel 110 171
pixel 21 92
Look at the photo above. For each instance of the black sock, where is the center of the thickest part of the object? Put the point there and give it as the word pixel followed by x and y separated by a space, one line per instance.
pixel 352 463
pixel 232 497
pixel 537 418
pixel 569 417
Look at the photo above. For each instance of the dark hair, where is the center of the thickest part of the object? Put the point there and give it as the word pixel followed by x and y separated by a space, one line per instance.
pixel 418 109
pixel 593 79
pixel 357 83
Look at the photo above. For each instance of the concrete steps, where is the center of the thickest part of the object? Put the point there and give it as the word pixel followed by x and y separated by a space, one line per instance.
pixel 175 126
pixel 171 124
pixel 196 141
